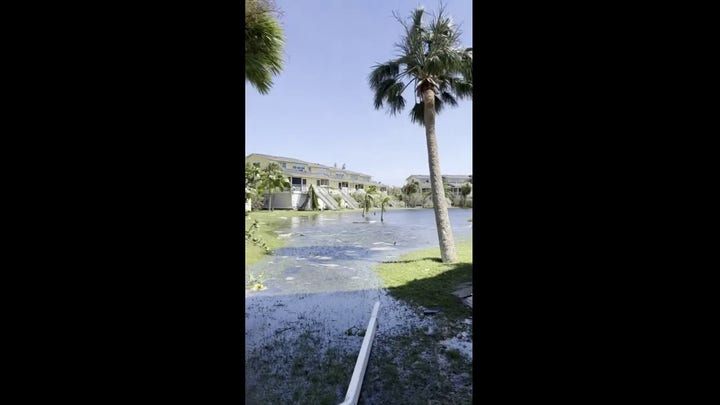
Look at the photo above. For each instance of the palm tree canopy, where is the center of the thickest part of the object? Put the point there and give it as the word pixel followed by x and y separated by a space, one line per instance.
pixel 273 178
pixel 430 57
pixel 411 187
pixel 263 44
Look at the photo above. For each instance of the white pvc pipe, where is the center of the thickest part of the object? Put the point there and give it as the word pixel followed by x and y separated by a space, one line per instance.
pixel 353 392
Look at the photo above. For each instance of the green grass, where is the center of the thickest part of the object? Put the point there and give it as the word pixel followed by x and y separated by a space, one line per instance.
pixel 421 278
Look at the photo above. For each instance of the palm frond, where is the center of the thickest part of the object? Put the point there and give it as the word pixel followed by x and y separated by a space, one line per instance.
pixel 390 91
pixel 395 100
pixel 448 98
pixel 417 16
pixel 417 114
pixel 263 51
pixel 382 72
pixel 439 104
pixel 463 89
pixel 381 91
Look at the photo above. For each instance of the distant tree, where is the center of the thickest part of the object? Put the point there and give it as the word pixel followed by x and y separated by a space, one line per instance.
pixel 252 175
pixel 384 200
pixel 408 190
pixel 431 59
pixel 272 179
pixel 465 190
pixel 370 194
pixel 263 44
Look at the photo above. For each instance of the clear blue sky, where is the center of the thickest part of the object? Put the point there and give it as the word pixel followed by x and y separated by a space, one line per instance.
pixel 320 108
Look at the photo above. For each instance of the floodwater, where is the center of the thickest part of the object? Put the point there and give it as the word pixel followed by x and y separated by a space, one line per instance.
pixel 322 281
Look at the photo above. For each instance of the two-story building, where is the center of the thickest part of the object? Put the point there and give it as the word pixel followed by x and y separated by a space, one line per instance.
pixel 302 174
pixel 455 182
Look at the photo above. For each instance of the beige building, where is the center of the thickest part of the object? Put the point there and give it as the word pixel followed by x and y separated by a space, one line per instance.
pixel 454 181
pixel 327 179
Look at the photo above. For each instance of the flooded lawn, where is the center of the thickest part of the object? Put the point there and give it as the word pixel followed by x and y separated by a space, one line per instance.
pixel 304 331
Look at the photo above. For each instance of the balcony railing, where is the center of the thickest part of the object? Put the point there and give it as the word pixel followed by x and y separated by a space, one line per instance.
pixel 299 188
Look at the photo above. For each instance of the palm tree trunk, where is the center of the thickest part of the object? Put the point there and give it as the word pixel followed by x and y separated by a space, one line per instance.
pixel 382 211
pixel 442 220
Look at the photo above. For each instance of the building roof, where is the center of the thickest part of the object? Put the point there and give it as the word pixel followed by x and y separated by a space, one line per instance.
pixel 449 176
pixel 287 159
pixel 318 175
pixel 454 178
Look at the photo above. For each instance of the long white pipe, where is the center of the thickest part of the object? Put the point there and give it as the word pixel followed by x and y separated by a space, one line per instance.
pixel 353 392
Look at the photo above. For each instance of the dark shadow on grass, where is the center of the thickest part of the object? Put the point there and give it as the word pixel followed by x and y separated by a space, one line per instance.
pixel 433 259
pixel 437 291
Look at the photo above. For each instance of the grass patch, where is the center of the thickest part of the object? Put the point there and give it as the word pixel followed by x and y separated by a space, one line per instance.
pixel 299 372
pixel 406 369
pixel 421 278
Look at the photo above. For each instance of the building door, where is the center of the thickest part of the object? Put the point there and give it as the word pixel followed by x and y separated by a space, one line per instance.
pixel 296 184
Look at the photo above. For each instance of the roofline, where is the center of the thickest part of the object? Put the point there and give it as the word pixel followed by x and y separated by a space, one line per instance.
pixel 283 158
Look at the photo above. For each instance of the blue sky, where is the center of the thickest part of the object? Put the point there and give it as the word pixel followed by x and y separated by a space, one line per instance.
pixel 320 108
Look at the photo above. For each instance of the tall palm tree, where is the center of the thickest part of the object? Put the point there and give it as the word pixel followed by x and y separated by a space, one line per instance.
pixel 441 71
pixel 272 179
pixel 263 44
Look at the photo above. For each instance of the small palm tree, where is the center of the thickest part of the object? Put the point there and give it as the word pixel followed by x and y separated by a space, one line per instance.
pixel 383 201
pixel 273 179
pixel 370 194
pixel 263 44
pixel 440 71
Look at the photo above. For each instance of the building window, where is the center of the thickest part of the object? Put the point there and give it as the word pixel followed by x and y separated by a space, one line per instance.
pixel 283 165
pixel 323 182
pixel 256 164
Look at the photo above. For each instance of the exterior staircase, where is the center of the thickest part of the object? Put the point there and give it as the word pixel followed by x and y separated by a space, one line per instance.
pixel 349 200
pixel 324 196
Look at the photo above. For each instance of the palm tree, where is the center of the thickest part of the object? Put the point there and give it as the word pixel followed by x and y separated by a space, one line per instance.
pixel 383 201
pixel 465 190
pixel 370 194
pixel 263 44
pixel 441 71
pixel 272 179
pixel 409 189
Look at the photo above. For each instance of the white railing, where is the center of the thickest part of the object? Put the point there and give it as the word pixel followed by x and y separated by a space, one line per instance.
pixel 353 392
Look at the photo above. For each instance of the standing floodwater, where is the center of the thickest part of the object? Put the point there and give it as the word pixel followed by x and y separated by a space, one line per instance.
pixel 321 289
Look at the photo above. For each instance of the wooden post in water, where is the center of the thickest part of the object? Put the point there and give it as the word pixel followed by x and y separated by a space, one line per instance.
pixel 353 392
